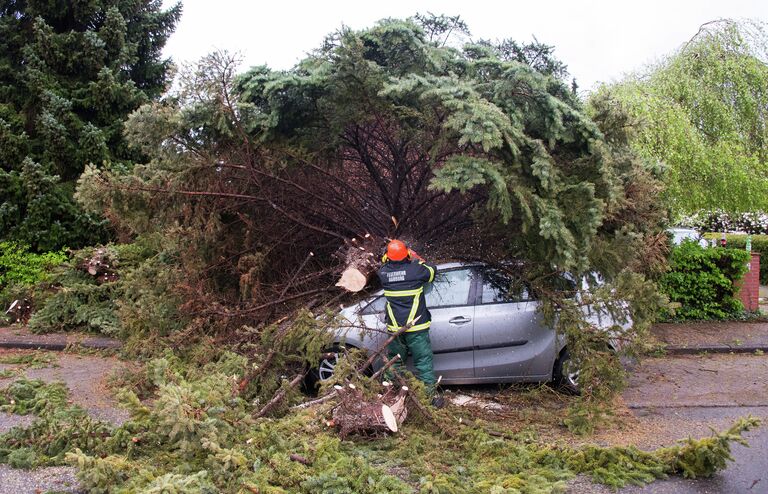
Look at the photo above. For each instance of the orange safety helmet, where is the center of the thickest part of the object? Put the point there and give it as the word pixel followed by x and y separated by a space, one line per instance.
pixel 396 250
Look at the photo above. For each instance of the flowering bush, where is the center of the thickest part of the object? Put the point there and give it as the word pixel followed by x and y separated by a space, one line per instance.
pixel 753 223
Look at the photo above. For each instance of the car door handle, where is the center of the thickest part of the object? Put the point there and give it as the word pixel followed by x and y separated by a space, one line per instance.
pixel 460 320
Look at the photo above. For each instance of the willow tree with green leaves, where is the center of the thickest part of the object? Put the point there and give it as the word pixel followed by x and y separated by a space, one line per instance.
pixel 703 111
pixel 479 151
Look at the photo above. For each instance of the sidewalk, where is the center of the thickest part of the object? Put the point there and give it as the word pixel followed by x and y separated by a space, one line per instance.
pixel 683 338
pixel 21 337
pixel 712 337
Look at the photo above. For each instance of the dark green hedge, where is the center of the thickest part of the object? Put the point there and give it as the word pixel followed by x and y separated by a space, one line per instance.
pixel 701 280
pixel 739 241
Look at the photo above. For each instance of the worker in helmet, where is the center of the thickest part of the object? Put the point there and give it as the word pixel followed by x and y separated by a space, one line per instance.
pixel 403 276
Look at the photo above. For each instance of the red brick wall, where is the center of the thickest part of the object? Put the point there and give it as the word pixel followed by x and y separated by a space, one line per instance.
pixel 749 292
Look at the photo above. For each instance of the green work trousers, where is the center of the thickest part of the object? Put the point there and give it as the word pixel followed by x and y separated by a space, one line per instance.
pixel 418 344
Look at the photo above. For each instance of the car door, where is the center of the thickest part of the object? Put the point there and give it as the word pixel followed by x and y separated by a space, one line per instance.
pixel 510 339
pixel 448 300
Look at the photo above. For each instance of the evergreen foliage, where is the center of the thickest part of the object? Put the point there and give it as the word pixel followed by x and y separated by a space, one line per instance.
pixel 702 280
pixel 478 151
pixel 703 115
pixel 34 360
pixel 24 397
pixel 60 428
pixel 194 436
pixel 69 75
pixel 139 303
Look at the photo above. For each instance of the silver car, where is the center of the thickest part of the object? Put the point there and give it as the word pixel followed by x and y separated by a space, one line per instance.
pixel 485 329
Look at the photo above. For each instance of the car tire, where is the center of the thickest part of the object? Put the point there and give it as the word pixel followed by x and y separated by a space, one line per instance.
pixel 324 369
pixel 566 374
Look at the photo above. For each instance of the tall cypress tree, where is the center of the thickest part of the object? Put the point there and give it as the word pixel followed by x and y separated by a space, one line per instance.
pixel 70 73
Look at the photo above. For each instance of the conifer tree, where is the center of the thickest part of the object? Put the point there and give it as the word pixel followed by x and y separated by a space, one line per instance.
pixel 479 151
pixel 70 72
pixel 444 139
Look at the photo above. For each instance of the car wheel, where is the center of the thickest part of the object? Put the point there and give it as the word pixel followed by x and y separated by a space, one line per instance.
pixel 566 374
pixel 325 368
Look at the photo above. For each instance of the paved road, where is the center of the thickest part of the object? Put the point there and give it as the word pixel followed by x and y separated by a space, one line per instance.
pixel 681 396
pixel 85 377
pixel 670 398
pixel 747 474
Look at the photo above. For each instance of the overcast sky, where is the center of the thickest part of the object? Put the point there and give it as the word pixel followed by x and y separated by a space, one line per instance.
pixel 598 40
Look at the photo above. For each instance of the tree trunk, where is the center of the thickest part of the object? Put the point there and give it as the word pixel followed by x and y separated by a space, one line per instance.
pixel 369 417
pixel 361 260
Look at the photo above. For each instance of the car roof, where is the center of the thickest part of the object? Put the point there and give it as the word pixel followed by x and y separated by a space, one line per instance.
pixel 454 264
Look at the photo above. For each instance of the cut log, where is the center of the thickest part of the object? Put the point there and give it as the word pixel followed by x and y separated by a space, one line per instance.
pixel 352 280
pixel 389 418
pixel 360 261
pixel 399 410
pixel 100 265
pixel 369 417
pixel 20 311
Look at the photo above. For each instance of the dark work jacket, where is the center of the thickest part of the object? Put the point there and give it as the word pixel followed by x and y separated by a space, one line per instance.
pixel 403 283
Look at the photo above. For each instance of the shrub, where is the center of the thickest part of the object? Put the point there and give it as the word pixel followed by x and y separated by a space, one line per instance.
pixel 18 265
pixel 138 300
pixel 20 270
pixel 739 241
pixel 701 280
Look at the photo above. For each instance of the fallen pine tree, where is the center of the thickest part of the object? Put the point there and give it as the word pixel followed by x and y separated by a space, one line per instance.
pixel 192 436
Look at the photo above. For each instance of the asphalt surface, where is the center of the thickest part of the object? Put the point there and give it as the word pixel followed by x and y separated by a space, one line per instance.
pixel 53 479
pixel 85 376
pixel 748 473
pixel 673 398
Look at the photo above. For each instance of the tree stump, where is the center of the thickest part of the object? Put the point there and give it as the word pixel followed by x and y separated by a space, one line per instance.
pixel 20 311
pixel 369 417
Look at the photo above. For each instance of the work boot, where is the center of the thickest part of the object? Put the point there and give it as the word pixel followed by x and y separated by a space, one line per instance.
pixel 438 401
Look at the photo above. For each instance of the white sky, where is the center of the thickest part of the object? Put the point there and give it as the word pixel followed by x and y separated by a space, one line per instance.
pixel 599 40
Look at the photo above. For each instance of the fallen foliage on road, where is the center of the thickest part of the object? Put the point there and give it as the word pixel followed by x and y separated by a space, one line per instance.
pixel 196 435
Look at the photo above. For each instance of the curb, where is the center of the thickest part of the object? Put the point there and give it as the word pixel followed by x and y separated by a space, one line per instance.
pixel 27 344
pixel 695 350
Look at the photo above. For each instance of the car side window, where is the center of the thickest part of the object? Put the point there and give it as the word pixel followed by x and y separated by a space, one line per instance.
pixel 499 287
pixel 449 288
